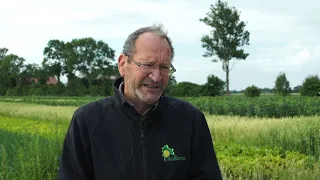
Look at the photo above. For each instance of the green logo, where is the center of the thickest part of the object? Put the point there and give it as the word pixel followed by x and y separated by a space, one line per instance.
pixel 169 155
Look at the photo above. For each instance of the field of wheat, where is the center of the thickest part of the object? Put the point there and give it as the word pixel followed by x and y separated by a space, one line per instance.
pixel 32 130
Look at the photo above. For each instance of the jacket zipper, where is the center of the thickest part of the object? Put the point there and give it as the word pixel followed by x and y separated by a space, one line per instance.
pixel 143 149
pixel 133 155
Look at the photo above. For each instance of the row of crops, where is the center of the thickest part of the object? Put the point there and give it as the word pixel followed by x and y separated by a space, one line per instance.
pixel 264 106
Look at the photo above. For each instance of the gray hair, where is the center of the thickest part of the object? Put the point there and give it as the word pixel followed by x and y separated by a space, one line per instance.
pixel 129 46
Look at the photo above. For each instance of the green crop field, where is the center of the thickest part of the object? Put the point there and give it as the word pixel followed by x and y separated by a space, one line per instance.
pixel 261 138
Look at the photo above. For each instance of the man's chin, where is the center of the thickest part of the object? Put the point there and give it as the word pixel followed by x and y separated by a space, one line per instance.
pixel 151 99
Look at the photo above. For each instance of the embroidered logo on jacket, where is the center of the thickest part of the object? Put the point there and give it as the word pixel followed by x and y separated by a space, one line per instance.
pixel 169 155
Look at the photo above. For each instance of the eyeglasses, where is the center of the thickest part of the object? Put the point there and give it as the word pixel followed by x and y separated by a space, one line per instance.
pixel 149 68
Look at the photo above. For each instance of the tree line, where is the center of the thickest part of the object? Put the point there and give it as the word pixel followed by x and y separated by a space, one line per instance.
pixel 309 87
pixel 87 63
pixel 89 67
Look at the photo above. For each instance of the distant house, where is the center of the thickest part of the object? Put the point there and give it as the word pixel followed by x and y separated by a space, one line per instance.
pixel 51 80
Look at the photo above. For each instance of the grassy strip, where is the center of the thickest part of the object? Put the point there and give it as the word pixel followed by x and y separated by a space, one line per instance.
pixel 263 106
pixel 36 111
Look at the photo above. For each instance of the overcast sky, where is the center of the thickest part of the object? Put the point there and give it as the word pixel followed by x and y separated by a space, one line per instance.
pixel 285 35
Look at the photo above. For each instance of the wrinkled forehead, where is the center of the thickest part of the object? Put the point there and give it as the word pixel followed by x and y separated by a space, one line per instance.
pixel 151 46
pixel 155 57
pixel 154 54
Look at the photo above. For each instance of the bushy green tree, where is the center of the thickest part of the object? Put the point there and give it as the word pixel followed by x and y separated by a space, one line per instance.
pixel 186 89
pixel 310 86
pixel 171 84
pixel 214 86
pixel 282 85
pixel 55 56
pixel 252 91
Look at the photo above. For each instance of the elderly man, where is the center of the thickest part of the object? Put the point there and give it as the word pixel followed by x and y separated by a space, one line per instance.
pixel 138 133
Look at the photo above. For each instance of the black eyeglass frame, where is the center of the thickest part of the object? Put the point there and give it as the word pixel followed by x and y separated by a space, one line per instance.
pixel 172 69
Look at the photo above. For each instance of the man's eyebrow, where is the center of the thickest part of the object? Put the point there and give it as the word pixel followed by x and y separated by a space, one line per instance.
pixel 148 60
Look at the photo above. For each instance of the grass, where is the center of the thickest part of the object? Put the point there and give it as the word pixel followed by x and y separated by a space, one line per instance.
pixel 253 162
pixel 31 137
pixel 30 148
pixel 286 148
pixel 300 134
pixel 263 106
pixel 36 111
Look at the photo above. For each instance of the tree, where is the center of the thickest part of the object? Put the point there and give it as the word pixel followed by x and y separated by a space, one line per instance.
pixel 3 52
pixel 214 86
pixel 10 72
pixel 282 85
pixel 172 81
pixel 93 58
pixel 29 71
pixel 185 89
pixel 296 89
pixel 171 85
pixel 310 86
pixel 5 82
pixel 13 66
pixel 55 58
pixel 226 38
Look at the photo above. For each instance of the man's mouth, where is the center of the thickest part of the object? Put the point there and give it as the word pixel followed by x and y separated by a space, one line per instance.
pixel 151 86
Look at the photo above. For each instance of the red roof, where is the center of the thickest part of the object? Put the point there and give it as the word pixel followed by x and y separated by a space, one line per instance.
pixel 52 80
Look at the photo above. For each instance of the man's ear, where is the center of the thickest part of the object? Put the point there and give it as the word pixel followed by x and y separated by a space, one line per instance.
pixel 121 64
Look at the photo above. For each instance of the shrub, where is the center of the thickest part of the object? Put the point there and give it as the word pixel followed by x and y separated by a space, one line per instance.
pixel 252 91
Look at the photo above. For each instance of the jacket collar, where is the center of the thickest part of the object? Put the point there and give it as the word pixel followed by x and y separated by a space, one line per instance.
pixel 118 90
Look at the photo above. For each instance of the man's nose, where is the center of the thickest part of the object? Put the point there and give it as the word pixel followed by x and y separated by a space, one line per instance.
pixel 156 75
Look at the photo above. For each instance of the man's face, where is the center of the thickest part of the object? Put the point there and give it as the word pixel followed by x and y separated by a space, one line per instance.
pixel 146 87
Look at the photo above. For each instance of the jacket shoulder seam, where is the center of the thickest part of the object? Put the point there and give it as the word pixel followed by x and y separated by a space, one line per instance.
pixel 105 107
